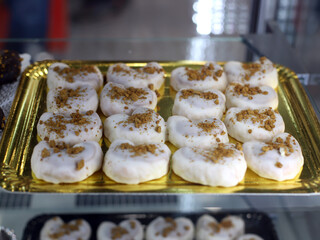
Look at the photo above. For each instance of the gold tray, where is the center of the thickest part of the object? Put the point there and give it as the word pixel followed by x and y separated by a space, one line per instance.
pixel 20 137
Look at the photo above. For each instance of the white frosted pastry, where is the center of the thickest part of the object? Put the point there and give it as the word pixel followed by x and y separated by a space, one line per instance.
pixel 150 75
pixel 183 132
pixel 70 128
pixel 130 229
pixel 142 126
pixel 55 228
pixel 261 72
pixel 116 98
pixel 253 124
pixel 249 236
pixel 249 96
pixel 208 228
pixel 130 163
pixel 170 229
pixel 68 100
pixel 197 105
pixel 223 165
pixel 25 61
pixel 61 75
pixel 58 163
pixel 280 159
pixel 210 76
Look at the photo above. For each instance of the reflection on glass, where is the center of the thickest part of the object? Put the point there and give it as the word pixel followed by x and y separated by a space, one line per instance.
pixel 197 49
pixel 203 16
pixel 221 16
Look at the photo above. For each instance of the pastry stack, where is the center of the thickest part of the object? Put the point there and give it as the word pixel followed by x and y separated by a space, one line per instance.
pixel 137 133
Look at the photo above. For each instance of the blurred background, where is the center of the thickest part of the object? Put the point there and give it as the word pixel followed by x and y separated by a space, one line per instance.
pixel 286 31
pixel 298 20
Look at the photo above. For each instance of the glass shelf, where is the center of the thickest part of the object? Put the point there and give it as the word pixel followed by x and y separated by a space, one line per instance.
pixel 294 224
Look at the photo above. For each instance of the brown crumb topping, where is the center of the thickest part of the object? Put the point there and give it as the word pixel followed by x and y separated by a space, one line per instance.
pixel 75 150
pixel 139 149
pixel 65 94
pixel 157 93
pixel 117 232
pixel 247 91
pixel 263 59
pixel 239 146
pixel 89 113
pixel 226 224
pixel 158 129
pixel 58 123
pixel 128 95
pixel 151 86
pixel 45 153
pixel 205 71
pixel 118 68
pixel 252 68
pixel 219 73
pixel 2 121
pixel 66 229
pixel 266 118
pixel 279 144
pixel 151 70
pixel 57 147
pixel 186 93
pixel 216 227
pixel 147 70
pixel 218 153
pixel 172 225
pixel 132 224
pixel 207 126
pixel 69 73
pixel 278 165
pixel 80 165
pixel 139 119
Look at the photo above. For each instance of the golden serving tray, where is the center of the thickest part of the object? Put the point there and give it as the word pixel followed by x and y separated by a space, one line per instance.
pixel 20 137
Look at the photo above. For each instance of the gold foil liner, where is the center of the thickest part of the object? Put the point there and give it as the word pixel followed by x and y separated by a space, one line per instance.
pixel 20 137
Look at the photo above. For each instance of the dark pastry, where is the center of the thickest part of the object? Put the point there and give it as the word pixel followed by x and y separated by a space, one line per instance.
pixel 2 120
pixel 10 66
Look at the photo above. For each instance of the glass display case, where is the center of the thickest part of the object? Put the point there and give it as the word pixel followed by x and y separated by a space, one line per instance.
pixel 294 215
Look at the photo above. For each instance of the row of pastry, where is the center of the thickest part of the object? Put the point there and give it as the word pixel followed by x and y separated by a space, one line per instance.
pixel 69 133
pixel 124 81
pixel 207 227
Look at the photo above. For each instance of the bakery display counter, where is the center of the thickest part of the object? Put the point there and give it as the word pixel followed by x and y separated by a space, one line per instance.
pixel 293 216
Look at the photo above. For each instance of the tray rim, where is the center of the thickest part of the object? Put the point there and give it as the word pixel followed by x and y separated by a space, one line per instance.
pixel 314 188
